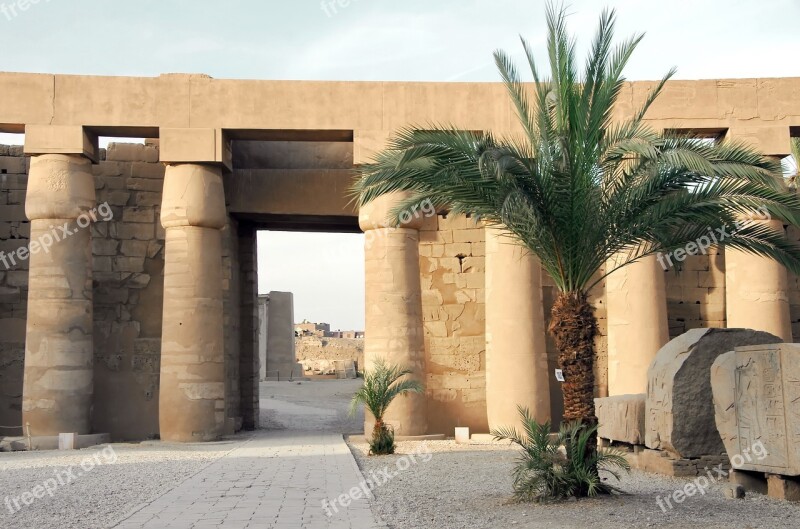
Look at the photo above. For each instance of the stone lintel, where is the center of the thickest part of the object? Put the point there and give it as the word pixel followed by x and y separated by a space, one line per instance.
pixel 61 139
pixel 184 145
pixel 772 140
pixel 367 144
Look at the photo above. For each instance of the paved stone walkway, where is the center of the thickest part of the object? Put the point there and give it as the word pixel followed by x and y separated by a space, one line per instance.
pixel 275 480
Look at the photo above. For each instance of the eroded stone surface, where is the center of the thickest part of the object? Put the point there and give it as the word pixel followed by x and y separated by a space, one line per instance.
pixel 680 408
pixel 756 397
pixel 621 418
pixel 58 383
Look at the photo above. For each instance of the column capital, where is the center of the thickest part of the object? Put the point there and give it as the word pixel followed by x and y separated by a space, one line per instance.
pixel 61 139
pixel 193 196
pixel 195 145
pixel 60 186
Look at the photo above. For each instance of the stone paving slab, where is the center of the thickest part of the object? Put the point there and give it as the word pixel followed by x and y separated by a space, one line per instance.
pixel 274 480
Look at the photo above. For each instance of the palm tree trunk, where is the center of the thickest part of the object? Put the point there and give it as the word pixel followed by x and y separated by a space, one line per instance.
pixel 573 327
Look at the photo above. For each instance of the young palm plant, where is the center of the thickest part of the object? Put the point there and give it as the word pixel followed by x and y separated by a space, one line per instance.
pixel 577 187
pixel 544 472
pixel 381 385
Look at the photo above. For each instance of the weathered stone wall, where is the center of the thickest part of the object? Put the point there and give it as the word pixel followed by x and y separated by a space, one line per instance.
pixel 249 362
pixel 14 233
pixel 128 265
pixel 452 253
pixel 311 349
pixel 696 293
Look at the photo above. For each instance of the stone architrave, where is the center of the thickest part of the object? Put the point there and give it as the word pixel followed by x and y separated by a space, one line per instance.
pixel 756 395
pixel 680 408
pixel 621 418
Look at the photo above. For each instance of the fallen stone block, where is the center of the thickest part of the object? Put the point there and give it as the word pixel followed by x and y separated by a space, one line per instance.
pixel 621 418
pixel 756 390
pixel 680 409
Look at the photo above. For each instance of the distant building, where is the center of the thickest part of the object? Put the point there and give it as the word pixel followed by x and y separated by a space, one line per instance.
pixel 306 328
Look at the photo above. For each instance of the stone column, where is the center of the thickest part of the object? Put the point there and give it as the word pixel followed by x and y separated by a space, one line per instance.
pixel 394 329
pixel 756 291
pixel 516 352
pixel 192 388
pixel 636 304
pixel 58 385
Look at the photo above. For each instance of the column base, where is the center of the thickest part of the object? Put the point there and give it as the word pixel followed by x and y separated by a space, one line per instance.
pixel 50 442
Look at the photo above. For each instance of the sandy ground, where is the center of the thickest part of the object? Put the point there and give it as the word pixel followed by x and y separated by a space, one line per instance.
pixel 315 405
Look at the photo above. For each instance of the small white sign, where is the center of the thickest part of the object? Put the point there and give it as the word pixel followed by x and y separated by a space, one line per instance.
pixel 559 375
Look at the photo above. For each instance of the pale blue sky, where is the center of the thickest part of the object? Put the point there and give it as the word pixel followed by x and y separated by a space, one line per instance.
pixel 411 40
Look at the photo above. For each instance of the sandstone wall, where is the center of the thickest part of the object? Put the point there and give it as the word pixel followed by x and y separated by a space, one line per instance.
pixel 310 349
pixel 452 254
pixel 248 327
pixel 128 282
pixel 696 294
pixel 14 233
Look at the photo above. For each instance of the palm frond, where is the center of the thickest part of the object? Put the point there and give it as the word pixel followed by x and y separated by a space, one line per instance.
pixel 552 469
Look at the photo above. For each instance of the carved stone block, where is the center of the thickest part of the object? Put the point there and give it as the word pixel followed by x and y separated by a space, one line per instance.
pixel 680 408
pixel 757 404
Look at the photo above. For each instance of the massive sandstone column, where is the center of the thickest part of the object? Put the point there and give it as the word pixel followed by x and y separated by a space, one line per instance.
pixel 756 291
pixel 756 288
pixel 516 354
pixel 57 387
pixel 394 308
pixel 636 304
pixel 192 388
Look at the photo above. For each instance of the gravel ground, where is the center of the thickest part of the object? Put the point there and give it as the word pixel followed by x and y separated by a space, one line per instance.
pixel 469 486
pixel 99 496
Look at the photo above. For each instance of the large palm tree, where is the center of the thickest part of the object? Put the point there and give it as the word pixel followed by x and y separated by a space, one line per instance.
pixel 577 188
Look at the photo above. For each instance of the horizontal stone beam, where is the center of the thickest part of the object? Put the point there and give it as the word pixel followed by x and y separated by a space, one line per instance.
pixel 61 139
